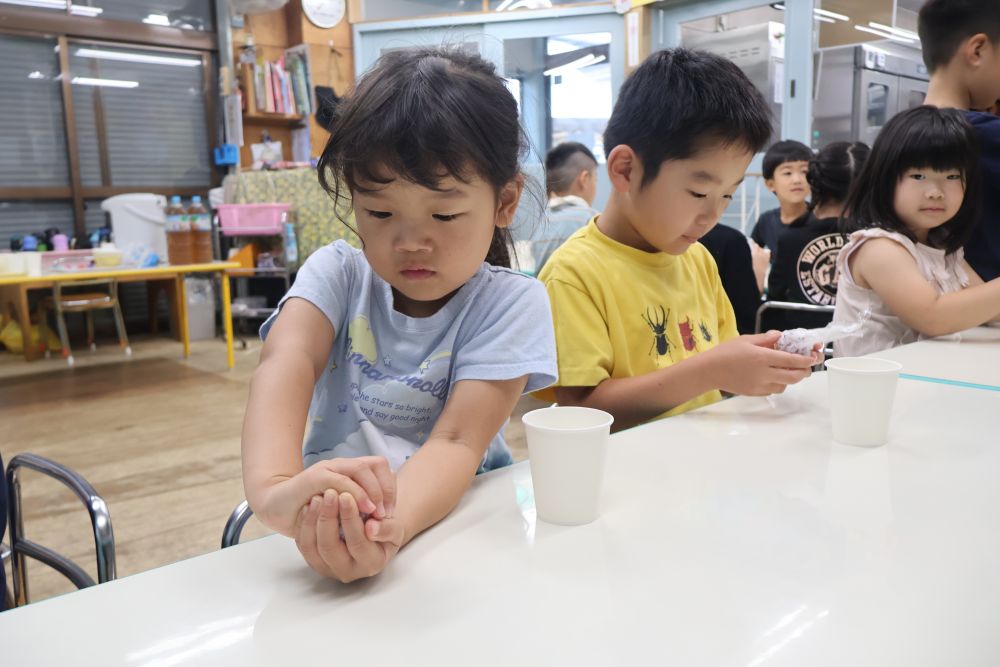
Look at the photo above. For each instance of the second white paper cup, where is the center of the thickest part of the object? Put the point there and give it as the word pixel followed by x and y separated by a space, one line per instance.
pixel 861 395
pixel 567 447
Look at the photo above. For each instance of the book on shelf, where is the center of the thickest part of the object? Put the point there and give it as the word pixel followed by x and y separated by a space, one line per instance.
pixel 282 86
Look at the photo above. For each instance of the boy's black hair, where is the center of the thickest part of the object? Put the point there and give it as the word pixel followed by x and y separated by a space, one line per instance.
pixel 784 151
pixel 944 24
pixel 678 101
pixel 421 115
pixel 922 137
pixel 833 170
pixel 564 163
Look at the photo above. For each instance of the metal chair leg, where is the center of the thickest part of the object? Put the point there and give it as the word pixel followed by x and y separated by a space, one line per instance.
pixel 89 315
pixel 120 321
pixel 67 353
pixel 5 557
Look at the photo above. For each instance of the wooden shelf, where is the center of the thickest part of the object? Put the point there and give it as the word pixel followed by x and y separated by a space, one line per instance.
pixel 264 118
pixel 273 33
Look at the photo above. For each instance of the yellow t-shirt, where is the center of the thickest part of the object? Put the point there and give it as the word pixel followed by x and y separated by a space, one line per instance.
pixel 621 312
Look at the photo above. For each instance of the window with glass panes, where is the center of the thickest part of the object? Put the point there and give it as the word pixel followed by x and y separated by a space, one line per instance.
pixel 84 117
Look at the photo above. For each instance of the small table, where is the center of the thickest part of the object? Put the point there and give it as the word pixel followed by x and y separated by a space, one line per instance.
pixel 14 289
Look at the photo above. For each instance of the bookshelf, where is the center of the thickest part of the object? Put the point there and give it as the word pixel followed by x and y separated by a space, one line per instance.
pixel 329 58
pixel 276 119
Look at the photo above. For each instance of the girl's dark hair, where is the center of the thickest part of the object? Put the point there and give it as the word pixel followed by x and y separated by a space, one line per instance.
pixel 833 170
pixel 923 137
pixel 424 114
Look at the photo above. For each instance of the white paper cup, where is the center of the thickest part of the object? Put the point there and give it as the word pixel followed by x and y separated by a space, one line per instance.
pixel 567 447
pixel 861 394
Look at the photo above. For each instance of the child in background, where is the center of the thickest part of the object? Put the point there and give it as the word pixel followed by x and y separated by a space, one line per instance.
pixel 643 326
pixel 784 167
pixel 909 212
pixel 406 358
pixel 731 252
pixel 805 266
pixel 960 40
pixel 571 182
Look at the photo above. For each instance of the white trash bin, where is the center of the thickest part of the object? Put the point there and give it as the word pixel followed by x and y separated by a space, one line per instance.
pixel 137 218
pixel 200 308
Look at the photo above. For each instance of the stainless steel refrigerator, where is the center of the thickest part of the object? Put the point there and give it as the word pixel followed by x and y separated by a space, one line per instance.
pixel 859 88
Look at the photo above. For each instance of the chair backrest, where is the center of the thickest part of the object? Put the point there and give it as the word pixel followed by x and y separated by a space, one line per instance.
pixel 788 306
pixel 66 289
pixel 22 548
pixel 234 524
pixel 5 601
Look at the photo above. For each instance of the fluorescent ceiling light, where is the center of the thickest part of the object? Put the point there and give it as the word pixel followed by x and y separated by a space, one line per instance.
pixel 44 4
pixel 823 15
pixel 157 19
pixel 899 32
pixel 110 83
pixel 137 57
pixel 831 15
pixel 579 63
pixel 84 10
pixel 78 10
pixel 882 33
pixel 510 5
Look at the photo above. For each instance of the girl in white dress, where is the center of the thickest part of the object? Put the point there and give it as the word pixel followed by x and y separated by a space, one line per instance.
pixel 910 211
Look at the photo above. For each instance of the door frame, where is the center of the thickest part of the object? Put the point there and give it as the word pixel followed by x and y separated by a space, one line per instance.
pixel 490 31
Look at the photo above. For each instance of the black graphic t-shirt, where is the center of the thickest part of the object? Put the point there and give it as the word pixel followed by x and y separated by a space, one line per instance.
pixel 805 271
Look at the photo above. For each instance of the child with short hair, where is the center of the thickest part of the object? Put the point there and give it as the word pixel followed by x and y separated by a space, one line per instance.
pixel 784 167
pixel 406 358
pixel 805 266
pixel 903 274
pixel 960 40
pixel 571 182
pixel 643 326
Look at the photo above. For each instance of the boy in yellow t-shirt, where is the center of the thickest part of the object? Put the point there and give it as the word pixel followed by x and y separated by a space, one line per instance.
pixel 643 326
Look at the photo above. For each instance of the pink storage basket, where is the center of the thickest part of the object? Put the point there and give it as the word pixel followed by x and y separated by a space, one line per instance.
pixel 251 219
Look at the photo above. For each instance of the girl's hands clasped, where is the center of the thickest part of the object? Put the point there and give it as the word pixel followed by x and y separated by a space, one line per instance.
pixel 367 479
pixel 338 542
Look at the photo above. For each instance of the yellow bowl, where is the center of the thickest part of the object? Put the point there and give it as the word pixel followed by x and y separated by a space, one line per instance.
pixel 107 257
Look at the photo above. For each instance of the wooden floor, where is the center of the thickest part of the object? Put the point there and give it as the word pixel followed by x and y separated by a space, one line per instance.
pixel 158 437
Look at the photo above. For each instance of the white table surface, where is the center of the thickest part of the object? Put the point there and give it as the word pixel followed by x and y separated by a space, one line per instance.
pixel 734 535
pixel 970 356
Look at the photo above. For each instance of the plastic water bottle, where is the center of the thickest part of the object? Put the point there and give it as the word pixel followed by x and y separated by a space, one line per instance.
pixel 291 245
pixel 201 230
pixel 180 242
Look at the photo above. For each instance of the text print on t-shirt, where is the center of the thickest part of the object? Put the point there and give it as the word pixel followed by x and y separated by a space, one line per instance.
pixel 817 269
pixel 397 401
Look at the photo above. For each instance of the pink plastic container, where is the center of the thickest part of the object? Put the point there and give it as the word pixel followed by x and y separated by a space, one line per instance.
pixel 73 260
pixel 251 219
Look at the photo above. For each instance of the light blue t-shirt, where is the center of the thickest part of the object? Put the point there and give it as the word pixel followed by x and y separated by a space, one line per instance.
pixel 389 375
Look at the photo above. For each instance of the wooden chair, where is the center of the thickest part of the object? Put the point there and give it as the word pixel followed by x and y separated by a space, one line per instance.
pixel 66 298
